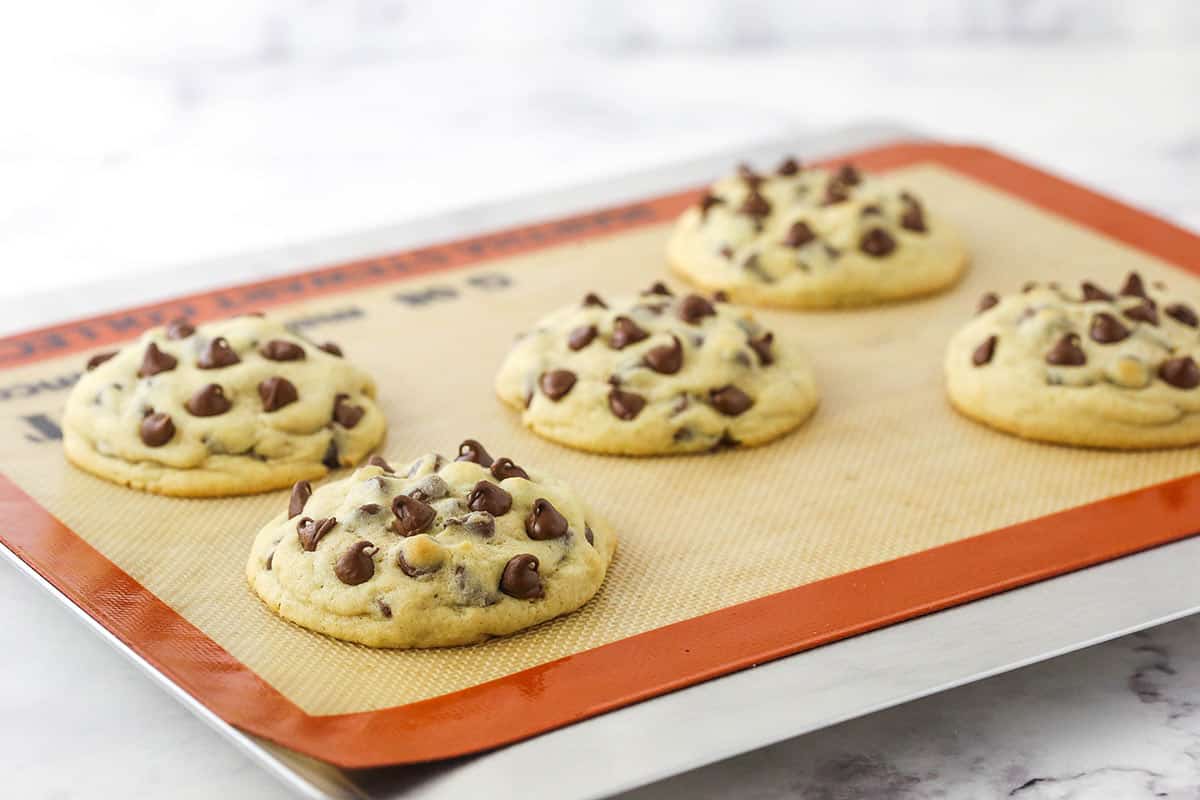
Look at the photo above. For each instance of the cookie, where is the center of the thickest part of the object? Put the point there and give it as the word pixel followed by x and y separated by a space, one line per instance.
pixel 238 406
pixel 803 237
pixel 439 553
pixel 656 373
pixel 1094 367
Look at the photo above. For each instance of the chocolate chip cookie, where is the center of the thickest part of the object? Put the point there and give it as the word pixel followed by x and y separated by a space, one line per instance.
pixel 1094 366
pixel 803 237
pixel 238 406
pixel 656 373
pixel 434 554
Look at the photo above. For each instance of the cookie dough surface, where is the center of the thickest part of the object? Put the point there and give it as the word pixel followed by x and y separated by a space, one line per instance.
pixel 656 373
pixel 438 553
pixel 237 406
pixel 1093 366
pixel 804 237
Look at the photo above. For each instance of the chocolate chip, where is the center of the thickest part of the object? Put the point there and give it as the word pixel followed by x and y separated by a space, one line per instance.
pixel 790 166
pixel 1107 329
pixel 729 400
pixel 377 461
pixel 625 405
pixel 587 534
pixel 431 487
pixel 726 442
pixel 479 523
pixel 755 205
pixel 726 251
pixel 625 332
pixel 1182 372
pixel 157 429
pixel 556 383
pixel 544 521
pixel 832 251
pixel 581 337
pixel 1146 312
pixel 754 266
pixel 505 468
pixel 384 608
pixel 799 235
pixel 331 348
pixel 370 509
pixel 983 354
pixel 1181 313
pixel 472 451
pixel 411 571
pixel 311 531
pixel 331 458
pixel 707 202
pixel 346 413
pixel 659 288
pixel 762 348
pixel 208 402
pixel 913 216
pixel 277 392
pixel 1028 286
pixel 1134 287
pixel 520 578
pixel 99 359
pixel 877 242
pixel 987 301
pixel 694 308
pixel 720 296
pixel 356 566
pixel 1066 352
pixel 270 558
pixel 180 329
pixel 593 299
pixel 487 496
pixel 301 491
pixel 870 210
pixel 1092 292
pixel 281 350
pixel 848 174
pixel 666 359
pixel 681 404
pixel 412 515
pixel 155 361
pixel 835 192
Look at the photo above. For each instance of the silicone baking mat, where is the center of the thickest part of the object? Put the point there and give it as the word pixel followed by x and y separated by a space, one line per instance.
pixel 884 506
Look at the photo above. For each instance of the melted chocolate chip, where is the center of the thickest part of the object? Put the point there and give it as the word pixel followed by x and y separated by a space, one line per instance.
pixel 707 202
pixel 755 205
pixel 984 352
pixel 720 296
pixel 277 392
pixel 870 210
pixel 332 458
pixel 556 383
pixel 520 578
pixel 384 608
pixel 505 468
pixel 479 523
pixel 281 350
pixel 1134 287
pixel 729 400
pixel 848 174
pixel 694 308
pixel 545 522
pixel 1092 292
pixel 218 354
pixel 1107 329
pixel 301 491
pixel 431 487
pixel 1182 372
pixel 587 534
pixel 311 531
pixel 356 566
pixel 156 429
pixel 912 218
pixel 1181 313
pixel 659 288
pixel 487 496
pixel 331 348
pixel 411 571
pixel 412 515
pixel 370 509
pixel 346 413
pixel 625 332
pixel 835 192
pixel 593 299
pixel 1146 312
pixel 581 337
pixel 726 251
pixel 1066 352
pixel 799 235
pixel 208 402
pixel 762 348
pixel 625 405
pixel 180 329
pixel 726 442
pixel 155 361
pixel 790 166
pixel 472 451
pixel 987 301
pixel 99 359
pixel 666 359
pixel 378 461
pixel 877 242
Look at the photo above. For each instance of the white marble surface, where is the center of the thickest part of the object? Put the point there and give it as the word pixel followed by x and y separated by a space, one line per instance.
pixel 119 164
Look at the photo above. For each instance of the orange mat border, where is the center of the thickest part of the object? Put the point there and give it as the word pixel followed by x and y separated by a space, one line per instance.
pixel 681 654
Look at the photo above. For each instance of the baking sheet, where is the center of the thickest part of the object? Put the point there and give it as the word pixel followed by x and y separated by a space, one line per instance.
pixel 931 479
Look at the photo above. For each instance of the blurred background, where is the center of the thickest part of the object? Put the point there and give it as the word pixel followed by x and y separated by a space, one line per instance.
pixel 139 134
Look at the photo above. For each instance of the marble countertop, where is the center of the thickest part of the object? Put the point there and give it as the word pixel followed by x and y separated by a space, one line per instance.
pixel 152 165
